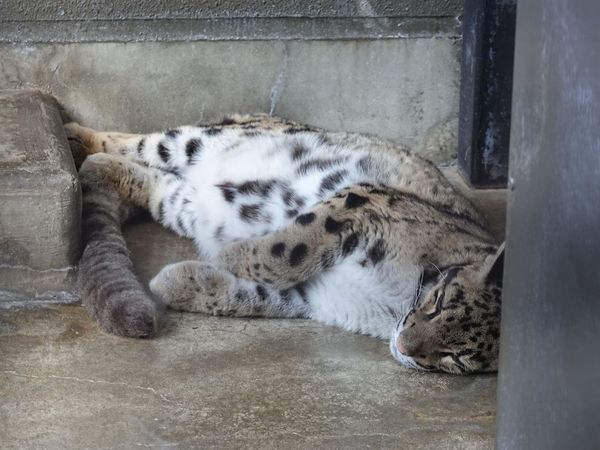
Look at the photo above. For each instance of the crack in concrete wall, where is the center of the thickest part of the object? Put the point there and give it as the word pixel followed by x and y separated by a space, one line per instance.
pixel 279 84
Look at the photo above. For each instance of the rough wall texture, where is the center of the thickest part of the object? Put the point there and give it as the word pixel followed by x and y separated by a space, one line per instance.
pixel 403 89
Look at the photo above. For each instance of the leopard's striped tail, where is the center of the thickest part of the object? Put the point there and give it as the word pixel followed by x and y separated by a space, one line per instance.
pixel 109 288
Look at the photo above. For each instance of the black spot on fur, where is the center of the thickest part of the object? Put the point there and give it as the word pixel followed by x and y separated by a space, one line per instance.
pixel 161 211
pixel 286 295
pixel 261 188
pixel 173 133
pixel 332 225
pixel 298 152
pixel 192 147
pixel 140 146
pixel 290 213
pixel 298 254
pixel 330 182
pixel 306 219
pixel 354 201
pixel 302 292
pixel 287 196
pixel 278 249
pixel 350 244
pixel 250 213
pixel 228 191
pixel 377 191
pixel 163 152
pixel 481 305
pixel 318 164
pixel 296 129
pixel 377 252
pixel 261 292
pixel 212 131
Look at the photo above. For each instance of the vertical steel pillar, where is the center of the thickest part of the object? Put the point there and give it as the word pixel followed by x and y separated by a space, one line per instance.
pixel 485 91
pixel 549 377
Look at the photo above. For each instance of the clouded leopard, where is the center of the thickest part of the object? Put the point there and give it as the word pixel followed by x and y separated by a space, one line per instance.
pixel 293 221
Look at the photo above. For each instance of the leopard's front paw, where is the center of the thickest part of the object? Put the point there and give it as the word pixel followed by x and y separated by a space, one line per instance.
pixel 190 286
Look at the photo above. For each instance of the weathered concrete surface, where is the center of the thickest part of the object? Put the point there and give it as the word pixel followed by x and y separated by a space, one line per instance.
pixel 224 383
pixel 152 247
pixel 224 29
pixel 59 10
pixel 40 198
pixel 403 89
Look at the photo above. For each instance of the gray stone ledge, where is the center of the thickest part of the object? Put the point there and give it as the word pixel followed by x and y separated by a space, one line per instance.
pixel 40 198
pixel 174 30
pixel 201 9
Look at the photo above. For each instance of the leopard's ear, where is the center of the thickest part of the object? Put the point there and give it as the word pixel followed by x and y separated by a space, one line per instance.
pixel 492 269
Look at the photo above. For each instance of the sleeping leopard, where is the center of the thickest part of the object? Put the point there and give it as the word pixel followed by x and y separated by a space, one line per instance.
pixel 293 221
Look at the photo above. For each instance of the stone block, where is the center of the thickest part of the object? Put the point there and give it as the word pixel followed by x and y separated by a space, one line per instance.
pixel 40 200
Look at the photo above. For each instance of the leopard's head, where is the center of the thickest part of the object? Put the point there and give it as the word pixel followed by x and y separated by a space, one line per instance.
pixel 453 324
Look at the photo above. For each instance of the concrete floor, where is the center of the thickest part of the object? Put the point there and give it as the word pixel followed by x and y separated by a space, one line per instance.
pixel 224 383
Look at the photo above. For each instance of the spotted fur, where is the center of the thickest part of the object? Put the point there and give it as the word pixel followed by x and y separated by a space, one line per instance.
pixel 294 221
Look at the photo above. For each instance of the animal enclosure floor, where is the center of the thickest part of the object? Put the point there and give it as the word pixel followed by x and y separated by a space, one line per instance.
pixel 209 382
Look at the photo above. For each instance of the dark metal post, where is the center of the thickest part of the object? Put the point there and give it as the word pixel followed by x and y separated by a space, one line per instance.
pixel 485 91
pixel 549 378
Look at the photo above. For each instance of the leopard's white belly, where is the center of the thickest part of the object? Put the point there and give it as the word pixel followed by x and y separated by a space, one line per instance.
pixel 361 299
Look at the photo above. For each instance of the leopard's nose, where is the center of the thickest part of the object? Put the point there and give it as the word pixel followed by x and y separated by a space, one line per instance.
pixel 407 344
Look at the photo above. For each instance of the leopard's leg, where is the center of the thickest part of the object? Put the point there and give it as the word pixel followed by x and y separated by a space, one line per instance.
pixel 200 287
pixel 314 242
pixel 94 141
pixel 173 150
pixel 112 186
pixel 151 189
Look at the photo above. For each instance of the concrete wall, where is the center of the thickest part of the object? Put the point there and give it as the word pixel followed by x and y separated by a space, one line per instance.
pixel 379 66
pixel 403 89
